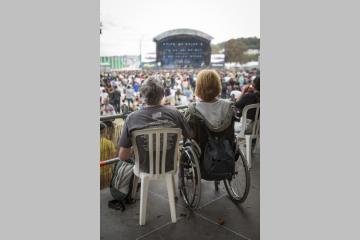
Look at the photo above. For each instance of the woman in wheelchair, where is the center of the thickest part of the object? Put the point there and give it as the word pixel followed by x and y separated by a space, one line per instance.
pixel 213 155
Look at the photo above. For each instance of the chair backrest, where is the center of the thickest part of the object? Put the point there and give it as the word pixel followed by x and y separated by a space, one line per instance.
pixel 156 150
pixel 256 122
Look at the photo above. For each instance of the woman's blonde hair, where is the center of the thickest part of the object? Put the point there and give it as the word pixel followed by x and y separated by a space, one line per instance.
pixel 208 85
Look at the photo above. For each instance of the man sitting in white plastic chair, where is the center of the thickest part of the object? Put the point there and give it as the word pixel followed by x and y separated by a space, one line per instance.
pixel 153 114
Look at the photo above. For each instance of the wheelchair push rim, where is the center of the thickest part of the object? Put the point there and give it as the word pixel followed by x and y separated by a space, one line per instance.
pixel 239 185
pixel 190 178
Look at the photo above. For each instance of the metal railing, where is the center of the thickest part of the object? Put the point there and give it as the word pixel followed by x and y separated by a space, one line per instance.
pixel 110 161
pixel 113 117
pixel 124 115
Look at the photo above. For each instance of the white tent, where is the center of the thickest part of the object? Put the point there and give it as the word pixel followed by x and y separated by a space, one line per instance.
pixel 252 64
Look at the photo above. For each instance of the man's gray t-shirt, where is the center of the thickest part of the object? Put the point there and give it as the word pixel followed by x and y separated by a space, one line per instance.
pixel 153 117
pixel 148 117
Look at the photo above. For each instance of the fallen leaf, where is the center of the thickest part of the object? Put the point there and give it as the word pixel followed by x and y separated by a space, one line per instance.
pixel 220 221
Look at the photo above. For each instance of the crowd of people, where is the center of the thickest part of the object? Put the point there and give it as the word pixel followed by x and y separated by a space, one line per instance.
pixel 120 91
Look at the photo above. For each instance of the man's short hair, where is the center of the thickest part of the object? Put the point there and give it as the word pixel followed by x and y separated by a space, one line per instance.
pixel 208 85
pixel 152 91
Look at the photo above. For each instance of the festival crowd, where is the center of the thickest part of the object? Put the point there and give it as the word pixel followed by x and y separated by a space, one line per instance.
pixel 120 91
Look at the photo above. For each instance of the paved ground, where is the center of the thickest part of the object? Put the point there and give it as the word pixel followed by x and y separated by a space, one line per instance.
pixel 241 221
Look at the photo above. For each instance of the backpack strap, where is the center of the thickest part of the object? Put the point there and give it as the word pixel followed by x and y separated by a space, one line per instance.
pixel 192 109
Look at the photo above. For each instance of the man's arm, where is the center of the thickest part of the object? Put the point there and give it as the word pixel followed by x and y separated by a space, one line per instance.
pixel 124 153
pixel 187 130
pixel 124 145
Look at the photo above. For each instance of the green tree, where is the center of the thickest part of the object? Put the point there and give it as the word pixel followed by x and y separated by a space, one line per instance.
pixel 234 51
pixel 235 48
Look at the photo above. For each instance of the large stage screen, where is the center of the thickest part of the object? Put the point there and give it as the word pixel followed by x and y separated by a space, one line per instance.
pixel 183 48
pixel 187 52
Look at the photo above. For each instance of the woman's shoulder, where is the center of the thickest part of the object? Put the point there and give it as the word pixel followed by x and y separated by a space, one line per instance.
pixel 219 103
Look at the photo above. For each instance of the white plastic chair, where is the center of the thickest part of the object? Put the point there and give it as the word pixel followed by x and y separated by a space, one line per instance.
pixel 254 134
pixel 157 156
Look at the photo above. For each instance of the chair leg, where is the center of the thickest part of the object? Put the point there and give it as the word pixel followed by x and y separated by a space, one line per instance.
pixel 135 183
pixel 248 149
pixel 170 189
pixel 257 143
pixel 173 182
pixel 143 199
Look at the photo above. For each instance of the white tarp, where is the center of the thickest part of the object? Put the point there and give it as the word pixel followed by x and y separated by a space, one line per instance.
pixel 217 58
pixel 148 58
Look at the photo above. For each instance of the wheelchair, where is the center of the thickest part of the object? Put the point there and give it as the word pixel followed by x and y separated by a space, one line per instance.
pixel 190 176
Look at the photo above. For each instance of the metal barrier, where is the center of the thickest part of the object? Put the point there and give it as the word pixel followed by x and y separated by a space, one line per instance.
pixel 124 115
pixel 112 117
pixel 110 161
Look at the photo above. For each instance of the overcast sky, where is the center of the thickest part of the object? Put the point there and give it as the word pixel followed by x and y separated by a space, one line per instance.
pixel 127 23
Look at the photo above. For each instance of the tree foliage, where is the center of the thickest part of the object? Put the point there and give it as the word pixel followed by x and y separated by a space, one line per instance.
pixel 235 48
pixel 234 51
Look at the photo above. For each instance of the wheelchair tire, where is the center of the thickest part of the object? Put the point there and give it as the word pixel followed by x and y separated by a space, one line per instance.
pixel 238 187
pixel 190 177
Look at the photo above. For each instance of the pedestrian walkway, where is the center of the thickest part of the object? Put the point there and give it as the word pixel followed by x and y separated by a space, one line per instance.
pixel 217 217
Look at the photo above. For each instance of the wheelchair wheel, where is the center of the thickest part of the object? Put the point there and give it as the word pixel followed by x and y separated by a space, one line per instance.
pixel 238 186
pixel 189 177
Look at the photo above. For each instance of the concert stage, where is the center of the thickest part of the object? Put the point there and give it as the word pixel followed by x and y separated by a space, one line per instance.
pixel 183 48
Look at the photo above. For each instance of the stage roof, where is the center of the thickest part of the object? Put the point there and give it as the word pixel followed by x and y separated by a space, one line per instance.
pixel 182 31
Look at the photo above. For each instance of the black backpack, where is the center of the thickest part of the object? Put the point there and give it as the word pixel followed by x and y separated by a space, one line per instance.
pixel 218 161
pixel 121 185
